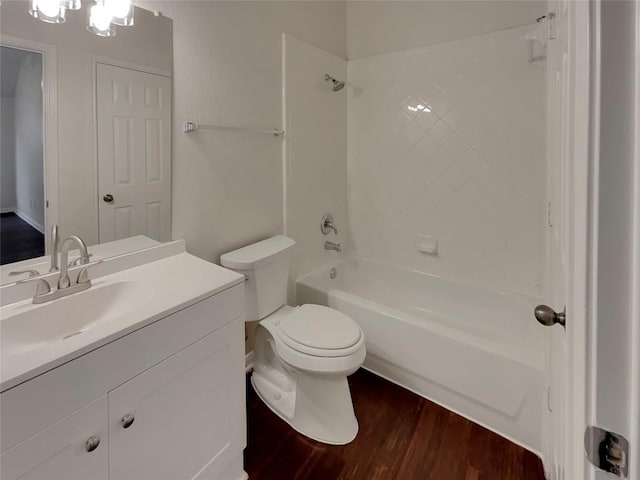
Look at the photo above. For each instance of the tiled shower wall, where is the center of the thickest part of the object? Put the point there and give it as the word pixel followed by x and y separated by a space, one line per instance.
pixel 447 141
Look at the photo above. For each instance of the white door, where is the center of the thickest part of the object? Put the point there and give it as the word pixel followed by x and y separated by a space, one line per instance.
pixel 134 153
pixel 558 232
pixel 567 159
pixel 75 448
pixel 180 419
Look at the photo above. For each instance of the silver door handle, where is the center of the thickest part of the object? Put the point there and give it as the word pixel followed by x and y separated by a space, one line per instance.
pixel 547 316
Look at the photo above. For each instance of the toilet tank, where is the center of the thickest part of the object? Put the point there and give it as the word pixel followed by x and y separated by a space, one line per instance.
pixel 265 265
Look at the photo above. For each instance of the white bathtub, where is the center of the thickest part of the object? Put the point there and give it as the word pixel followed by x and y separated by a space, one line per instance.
pixel 474 351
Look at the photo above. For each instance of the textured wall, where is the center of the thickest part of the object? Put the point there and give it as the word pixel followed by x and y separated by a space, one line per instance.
pixel 375 27
pixel 7 155
pixel 228 187
pixel 29 160
pixel 470 171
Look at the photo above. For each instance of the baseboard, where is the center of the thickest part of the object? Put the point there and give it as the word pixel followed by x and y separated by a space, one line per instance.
pixel 8 210
pixel 30 221
pixel 248 362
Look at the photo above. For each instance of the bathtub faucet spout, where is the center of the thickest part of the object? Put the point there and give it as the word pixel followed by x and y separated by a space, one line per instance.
pixel 332 246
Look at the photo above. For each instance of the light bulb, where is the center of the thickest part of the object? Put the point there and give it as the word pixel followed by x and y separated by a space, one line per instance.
pixel 118 8
pixel 121 10
pixel 50 8
pixel 100 21
pixel 50 11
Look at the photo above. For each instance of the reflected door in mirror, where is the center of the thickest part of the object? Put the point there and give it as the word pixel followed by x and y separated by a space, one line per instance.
pixel 134 152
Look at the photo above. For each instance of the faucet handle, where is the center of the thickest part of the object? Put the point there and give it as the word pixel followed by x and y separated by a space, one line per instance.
pixel 83 276
pixel 327 224
pixel 32 273
pixel 81 260
pixel 42 286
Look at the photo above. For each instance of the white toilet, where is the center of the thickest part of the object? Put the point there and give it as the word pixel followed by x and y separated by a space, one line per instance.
pixel 302 355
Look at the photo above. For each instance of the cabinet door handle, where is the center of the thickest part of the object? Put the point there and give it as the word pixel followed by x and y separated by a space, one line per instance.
pixel 127 420
pixel 92 443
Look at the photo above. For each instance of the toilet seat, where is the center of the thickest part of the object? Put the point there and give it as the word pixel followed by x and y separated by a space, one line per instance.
pixel 320 327
pixel 319 331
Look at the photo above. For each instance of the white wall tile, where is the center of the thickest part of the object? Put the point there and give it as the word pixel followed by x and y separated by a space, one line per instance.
pixel 474 180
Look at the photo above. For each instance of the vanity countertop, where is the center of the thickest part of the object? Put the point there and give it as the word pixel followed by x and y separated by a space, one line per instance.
pixel 142 295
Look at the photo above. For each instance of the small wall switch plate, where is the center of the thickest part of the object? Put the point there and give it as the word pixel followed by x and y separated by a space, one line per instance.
pixel 427 244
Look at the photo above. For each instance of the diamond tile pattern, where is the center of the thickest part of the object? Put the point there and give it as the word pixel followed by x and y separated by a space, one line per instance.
pixel 448 141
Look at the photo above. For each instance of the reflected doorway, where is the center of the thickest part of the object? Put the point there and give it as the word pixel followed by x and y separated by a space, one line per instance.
pixel 22 175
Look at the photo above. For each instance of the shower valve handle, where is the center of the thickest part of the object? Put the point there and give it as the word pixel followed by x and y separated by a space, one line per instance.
pixel 327 224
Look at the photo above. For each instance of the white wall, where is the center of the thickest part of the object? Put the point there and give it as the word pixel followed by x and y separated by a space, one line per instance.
pixel 7 155
pixel 147 43
pixel 227 187
pixel 375 27
pixel 29 166
pixel 470 172
pixel 316 154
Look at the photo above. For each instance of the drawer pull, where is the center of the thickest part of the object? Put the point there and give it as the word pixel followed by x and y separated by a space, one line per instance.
pixel 127 420
pixel 92 443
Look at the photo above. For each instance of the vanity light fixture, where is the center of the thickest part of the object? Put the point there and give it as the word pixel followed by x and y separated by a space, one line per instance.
pixel 102 16
pixel 100 20
pixel 71 4
pixel 49 11
pixel 121 12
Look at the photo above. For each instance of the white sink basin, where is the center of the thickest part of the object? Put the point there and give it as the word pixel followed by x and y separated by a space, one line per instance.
pixel 26 327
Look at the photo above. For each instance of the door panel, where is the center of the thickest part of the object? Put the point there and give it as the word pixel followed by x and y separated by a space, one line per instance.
pixel 559 238
pixel 60 451
pixel 186 413
pixel 134 153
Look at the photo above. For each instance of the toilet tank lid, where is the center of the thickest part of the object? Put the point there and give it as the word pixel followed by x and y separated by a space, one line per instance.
pixel 257 254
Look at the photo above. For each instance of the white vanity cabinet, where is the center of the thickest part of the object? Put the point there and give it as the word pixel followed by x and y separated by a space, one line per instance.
pixel 61 450
pixel 166 401
pixel 184 414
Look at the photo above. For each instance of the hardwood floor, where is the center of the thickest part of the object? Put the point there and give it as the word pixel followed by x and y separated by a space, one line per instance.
pixel 402 436
pixel 18 240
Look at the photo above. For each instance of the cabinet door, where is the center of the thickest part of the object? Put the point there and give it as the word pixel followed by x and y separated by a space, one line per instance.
pixel 62 451
pixel 183 418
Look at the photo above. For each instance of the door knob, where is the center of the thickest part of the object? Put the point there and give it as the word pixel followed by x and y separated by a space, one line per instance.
pixel 108 198
pixel 92 443
pixel 547 316
pixel 127 420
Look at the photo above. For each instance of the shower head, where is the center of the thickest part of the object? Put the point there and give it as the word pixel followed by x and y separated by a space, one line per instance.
pixel 337 85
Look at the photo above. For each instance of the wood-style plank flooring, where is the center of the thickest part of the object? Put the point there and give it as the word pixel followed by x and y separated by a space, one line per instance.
pixel 402 436
pixel 18 240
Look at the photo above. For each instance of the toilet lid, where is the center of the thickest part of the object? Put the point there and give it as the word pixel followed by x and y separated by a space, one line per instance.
pixel 320 327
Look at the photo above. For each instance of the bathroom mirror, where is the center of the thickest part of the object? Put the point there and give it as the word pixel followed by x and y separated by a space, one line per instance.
pixel 86 132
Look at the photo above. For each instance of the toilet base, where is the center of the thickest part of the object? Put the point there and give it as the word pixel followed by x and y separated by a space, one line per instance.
pixel 316 406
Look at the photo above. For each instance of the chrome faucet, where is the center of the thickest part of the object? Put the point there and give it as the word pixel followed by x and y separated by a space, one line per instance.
pixel 332 246
pixel 64 281
pixel 65 285
pixel 55 249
